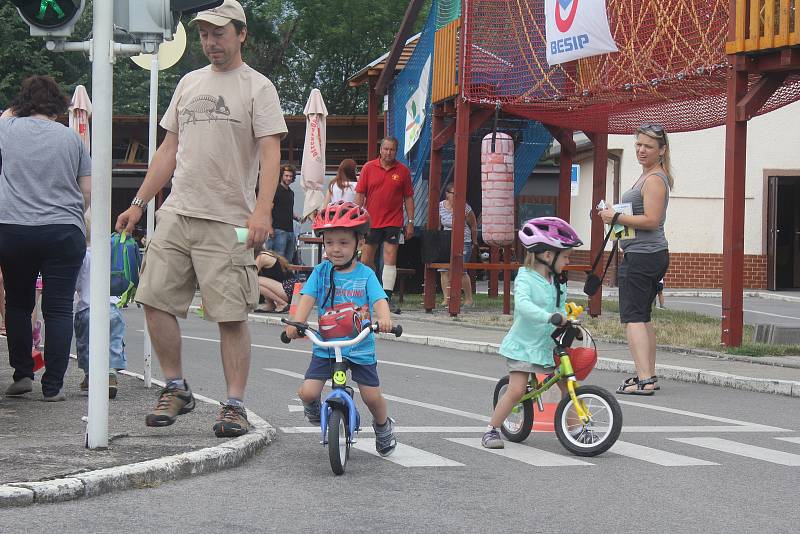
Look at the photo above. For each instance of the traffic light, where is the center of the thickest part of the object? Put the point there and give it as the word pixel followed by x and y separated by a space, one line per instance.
pixel 155 20
pixel 50 18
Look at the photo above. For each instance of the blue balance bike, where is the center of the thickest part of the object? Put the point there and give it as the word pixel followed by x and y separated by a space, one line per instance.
pixel 339 418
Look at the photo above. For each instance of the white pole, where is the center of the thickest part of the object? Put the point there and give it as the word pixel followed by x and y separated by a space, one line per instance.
pixel 100 274
pixel 151 206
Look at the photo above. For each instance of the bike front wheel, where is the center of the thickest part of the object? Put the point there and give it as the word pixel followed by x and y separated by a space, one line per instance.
pixel 338 442
pixel 603 428
pixel 517 426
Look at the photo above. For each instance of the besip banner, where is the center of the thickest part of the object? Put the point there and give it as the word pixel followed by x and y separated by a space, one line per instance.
pixel 577 29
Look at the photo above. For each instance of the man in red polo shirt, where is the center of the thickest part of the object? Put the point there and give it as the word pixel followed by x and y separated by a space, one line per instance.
pixel 384 187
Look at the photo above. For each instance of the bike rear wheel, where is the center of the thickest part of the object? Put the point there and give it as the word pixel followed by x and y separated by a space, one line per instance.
pixel 338 442
pixel 517 426
pixel 603 428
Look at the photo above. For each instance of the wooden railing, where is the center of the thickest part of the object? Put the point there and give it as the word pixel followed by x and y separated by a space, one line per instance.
pixel 764 24
pixel 445 62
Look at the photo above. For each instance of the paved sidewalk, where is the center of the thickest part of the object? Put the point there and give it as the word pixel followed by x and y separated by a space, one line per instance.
pixel 44 458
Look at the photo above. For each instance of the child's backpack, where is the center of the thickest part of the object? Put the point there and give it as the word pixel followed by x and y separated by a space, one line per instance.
pixel 126 260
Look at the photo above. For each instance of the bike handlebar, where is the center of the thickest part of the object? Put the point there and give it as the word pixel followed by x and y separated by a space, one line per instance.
pixel 303 329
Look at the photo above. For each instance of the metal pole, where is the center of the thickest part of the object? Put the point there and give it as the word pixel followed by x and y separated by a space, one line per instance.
pixel 151 206
pixel 100 274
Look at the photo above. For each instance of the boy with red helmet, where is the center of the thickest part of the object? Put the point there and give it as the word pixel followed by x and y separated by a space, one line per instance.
pixel 344 289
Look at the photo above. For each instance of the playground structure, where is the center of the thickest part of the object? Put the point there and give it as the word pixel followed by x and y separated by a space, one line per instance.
pixel 686 64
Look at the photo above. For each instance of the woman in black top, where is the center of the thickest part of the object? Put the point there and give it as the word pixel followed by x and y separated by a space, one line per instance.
pixel 275 282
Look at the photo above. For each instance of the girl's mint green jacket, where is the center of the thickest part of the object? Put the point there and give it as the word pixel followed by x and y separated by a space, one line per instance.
pixel 534 302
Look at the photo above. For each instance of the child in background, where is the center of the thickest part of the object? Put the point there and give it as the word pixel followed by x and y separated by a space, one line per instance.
pixel 343 281
pixel 539 293
pixel 660 295
pixel 116 352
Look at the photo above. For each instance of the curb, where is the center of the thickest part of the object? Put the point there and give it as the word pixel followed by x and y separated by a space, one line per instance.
pixel 788 388
pixel 142 474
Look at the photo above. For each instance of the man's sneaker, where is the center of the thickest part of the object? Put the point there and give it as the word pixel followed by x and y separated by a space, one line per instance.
pixel 172 402
pixel 84 387
pixel 492 440
pixel 231 422
pixel 385 441
pixel 311 411
pixel 394 308
pixel 20 387
pixel 112 386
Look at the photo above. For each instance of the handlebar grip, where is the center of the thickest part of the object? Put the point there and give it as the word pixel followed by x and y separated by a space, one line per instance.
pixel 397 331
pixel 556 319
pixel 285 338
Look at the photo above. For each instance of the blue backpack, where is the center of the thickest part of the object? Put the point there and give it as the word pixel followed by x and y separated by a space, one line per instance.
pixel 126 260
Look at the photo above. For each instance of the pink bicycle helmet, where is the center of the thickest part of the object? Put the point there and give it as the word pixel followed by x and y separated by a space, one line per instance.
pixel 548 233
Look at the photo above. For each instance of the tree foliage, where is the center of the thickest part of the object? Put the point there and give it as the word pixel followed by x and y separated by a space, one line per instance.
pixel 298 44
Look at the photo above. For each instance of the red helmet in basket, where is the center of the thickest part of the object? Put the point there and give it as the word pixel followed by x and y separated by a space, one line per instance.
pixel 342 214
pixel 583 360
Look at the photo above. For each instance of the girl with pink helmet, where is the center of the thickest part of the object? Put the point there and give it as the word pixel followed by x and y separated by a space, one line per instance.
pixel 538 290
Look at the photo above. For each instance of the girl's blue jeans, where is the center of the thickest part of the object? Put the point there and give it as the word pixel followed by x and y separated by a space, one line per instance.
pixel 116 349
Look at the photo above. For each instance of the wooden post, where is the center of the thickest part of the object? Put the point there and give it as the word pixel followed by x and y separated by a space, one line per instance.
pixel 434 191
pixel 600 142
pixel 507 281
pixel 565 179
pixel 372 119
pixel 494 276
pixel 459 202
pixel 733 227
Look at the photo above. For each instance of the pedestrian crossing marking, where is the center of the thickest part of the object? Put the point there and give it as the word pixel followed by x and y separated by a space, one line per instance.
pixel 743 449
pixel 295 408
pixel 791 440
pixel 523 453
pixel 408 456
pixel 655 456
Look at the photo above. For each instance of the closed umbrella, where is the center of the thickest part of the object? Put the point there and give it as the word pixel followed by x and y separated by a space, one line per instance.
pixel 312 169
pixel 80 111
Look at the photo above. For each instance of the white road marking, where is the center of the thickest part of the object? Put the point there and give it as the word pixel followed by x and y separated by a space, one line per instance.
pixel 397 430
pixel 700 416
pixel 408 456
pixel 699 429
pixel 438 370
pixel 523 453
pixel 655 456
pixel 743 449
pixel 402 400
pixel 790 440
pixel 295 408
pixel 745 311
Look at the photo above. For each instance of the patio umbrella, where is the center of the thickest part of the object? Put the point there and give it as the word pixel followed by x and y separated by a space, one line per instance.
pixel 312 170
pixel 79 112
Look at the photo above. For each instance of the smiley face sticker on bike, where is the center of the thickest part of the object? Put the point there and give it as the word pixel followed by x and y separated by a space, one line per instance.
pixel 339 377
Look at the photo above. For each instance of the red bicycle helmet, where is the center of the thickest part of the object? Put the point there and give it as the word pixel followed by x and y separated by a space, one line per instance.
pixel 342 214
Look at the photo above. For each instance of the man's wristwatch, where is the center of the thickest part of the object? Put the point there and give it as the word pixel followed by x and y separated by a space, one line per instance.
pixel 139 203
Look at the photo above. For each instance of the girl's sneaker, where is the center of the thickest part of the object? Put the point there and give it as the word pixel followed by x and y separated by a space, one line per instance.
pixel 492 440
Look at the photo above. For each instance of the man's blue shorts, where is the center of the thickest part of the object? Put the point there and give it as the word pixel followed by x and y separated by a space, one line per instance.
pixel 363 374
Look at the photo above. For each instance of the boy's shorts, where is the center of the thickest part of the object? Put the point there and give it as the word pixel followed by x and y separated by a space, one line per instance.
pixel 363 374
pixel 188 251
pixel 513 365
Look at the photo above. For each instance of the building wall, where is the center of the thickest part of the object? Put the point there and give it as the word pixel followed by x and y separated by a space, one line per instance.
pixel 694 226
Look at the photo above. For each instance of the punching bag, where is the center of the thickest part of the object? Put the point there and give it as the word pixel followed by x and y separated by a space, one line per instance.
pixel 497 190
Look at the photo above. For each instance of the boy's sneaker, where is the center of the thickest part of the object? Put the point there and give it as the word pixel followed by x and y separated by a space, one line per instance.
pixel 492 440
pixel 312 411
pixel 84 387
pixel 172 402
pixel 385 441
pixel 112 386
pixel 231 422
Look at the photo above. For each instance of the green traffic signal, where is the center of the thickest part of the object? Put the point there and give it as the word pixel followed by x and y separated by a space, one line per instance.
pixel 48 14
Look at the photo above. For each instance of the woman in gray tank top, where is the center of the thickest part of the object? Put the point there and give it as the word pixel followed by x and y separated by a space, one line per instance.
pixel 646 256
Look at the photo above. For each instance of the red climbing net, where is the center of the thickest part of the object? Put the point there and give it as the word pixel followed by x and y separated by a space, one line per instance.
pixel 671 67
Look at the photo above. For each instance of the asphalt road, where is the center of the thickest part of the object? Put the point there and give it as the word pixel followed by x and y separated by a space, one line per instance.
pixel 692 457
pixel 756 310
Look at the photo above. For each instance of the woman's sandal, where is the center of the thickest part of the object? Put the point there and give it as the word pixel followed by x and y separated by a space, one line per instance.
pixel 639 388
pixel 654 378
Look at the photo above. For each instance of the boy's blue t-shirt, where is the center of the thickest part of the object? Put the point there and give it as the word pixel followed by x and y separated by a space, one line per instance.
pixel 359 287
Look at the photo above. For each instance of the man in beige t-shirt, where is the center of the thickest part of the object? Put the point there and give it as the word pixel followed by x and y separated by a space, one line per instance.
pixel 224 123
